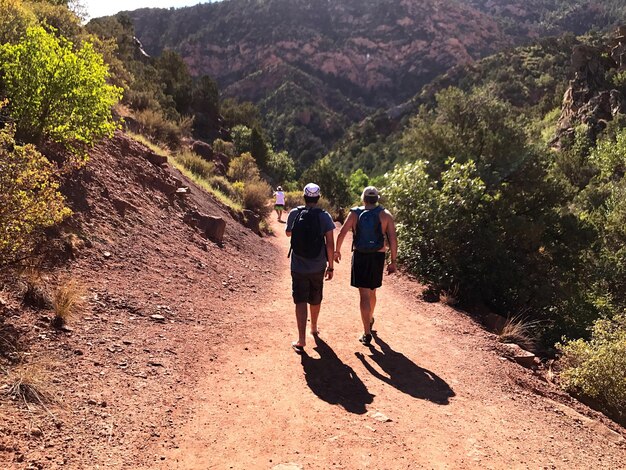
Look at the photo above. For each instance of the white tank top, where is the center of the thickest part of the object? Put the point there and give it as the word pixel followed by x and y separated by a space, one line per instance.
pixel 280 198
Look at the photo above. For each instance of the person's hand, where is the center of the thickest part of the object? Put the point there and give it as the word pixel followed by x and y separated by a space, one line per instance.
pixel 337 256
pixel 329 273
pixel 392 268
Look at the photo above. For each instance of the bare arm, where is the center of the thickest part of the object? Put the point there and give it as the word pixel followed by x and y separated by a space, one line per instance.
pixel 347 226
pixel 330 250
pixel 393 243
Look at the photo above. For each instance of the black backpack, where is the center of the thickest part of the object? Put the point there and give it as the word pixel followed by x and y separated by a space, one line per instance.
pixel 307 239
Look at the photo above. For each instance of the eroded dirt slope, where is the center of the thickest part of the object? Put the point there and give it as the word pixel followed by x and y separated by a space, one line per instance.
pixel 119 376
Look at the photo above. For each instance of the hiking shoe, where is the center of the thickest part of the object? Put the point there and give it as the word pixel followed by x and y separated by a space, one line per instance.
pixel 366 339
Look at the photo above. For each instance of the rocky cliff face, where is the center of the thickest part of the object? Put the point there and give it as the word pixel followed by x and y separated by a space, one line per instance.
pixel 375 51
pixel 592 98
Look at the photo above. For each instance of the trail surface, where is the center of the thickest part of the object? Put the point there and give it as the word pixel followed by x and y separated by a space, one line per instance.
pixel 430 393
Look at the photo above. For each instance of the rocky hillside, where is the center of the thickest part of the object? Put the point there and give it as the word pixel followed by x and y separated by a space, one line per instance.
pixel 340 60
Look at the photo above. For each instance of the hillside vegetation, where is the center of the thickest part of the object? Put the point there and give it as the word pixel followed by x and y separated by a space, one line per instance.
pixel 364 54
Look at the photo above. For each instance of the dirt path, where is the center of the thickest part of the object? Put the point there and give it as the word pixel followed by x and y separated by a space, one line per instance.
pixel 431 393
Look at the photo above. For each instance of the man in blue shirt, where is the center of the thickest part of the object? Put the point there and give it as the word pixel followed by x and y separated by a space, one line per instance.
pixel 312 248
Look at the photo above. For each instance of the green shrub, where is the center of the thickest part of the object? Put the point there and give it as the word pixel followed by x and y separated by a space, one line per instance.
pixel 226 187
pixel 293 199
pixel 161 129
pixel 243 168
pixel 597 368
pixel 619 80
pixel 56 94
pixel 256 196
pixel 502 246
pixel 443 231
pixel 29 198
pixel 196 164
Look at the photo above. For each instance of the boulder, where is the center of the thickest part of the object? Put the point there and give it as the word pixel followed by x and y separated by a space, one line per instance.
pixel 494 322
pixel 521 356
pixel 203 149
pixel 221 161
pixel 211 226
pixel 252 221
pixel 156 159
pixel 164 186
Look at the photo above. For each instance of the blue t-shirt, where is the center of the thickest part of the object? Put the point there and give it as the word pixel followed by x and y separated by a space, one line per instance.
pixel 317 264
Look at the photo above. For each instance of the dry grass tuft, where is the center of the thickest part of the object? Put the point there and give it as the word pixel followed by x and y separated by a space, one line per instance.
pixel 519 331
pixel 28 383
pixel 450 297
pixel 67 302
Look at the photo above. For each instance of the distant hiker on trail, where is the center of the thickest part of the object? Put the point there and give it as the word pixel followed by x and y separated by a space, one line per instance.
pixel 374 234
pixel 312 246
pixel 279 205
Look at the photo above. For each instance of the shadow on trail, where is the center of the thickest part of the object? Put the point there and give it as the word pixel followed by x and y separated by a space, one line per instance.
pixel 405 375
pixel 333 381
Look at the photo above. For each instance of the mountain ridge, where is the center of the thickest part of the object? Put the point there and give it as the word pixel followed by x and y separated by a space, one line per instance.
pixel 371 54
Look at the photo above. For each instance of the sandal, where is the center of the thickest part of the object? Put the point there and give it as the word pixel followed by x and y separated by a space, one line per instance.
pixel 297 348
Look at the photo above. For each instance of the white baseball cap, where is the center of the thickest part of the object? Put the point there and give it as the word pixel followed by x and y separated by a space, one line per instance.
pixel 370 191
pixel 312 190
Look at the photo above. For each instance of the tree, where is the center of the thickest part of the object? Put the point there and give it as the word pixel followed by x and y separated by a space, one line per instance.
pixel 235 113
pixel 280 166
pixel 56 94
pixel 14 21
pixel 468 126
pixel 29 197
pixel 358 181
pixel 176 80
pixel 258 148
pixel 205 104
pixel 242 138
pixel 332 182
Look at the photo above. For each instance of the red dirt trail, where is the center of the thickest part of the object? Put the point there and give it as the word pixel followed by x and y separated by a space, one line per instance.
pixel 432 392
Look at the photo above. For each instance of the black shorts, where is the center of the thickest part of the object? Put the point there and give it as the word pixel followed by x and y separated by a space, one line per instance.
pixel 367 269
pixel 307 287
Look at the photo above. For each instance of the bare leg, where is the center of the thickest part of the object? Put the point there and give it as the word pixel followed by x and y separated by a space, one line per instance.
pixel 301 314
pixel 372 303
pixel 366 309
pixel 315 313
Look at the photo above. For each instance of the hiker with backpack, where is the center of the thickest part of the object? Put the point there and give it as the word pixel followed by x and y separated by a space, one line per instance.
pixel 374 234
pixel 311 252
